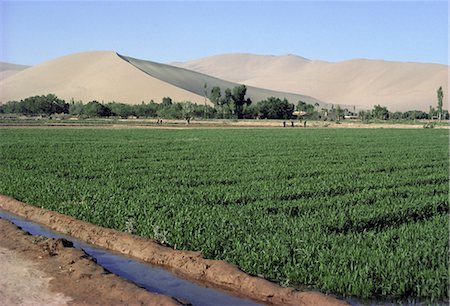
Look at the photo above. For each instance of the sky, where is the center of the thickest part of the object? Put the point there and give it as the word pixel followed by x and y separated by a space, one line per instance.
pixel 34 32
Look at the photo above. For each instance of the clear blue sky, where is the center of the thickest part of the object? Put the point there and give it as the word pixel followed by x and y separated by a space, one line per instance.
pixel 33 32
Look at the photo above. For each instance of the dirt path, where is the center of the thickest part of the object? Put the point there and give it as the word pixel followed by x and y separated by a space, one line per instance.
pixel 40 271
pixel 213 123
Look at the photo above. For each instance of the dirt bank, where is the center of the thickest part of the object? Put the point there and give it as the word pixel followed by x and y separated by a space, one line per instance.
pixel 189 264
pixel 41 271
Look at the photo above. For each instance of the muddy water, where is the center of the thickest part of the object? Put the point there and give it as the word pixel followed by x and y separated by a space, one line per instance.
pixel 148 276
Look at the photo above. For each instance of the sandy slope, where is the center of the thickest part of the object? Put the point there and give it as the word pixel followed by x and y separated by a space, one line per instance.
pixel 87 76
pixel 7 69
pixel 194 82
pixel 363 83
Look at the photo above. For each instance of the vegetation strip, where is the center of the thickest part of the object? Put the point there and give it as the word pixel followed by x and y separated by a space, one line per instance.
pixel 190 264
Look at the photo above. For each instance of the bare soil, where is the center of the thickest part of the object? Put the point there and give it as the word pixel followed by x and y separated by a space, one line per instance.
pixel 189 264
pixel 40 271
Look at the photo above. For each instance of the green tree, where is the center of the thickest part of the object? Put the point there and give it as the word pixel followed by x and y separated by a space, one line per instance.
pixel 224 103
pixel 309 109
pixel 187 110
pixel 440 96
pixel 380 112
pixel 172 110
pixel 431 112
pixel 76 108
pixel 96 109
pixel 215 95
pixel 121 109
pixel 166 101
pixel 339 113
pixel 11 107
pixel 275 108
pixel 365 115
pixel 146 110
pixel 251 112
pixel 239 100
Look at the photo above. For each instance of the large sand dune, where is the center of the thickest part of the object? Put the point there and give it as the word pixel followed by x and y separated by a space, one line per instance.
pixel 363 83
pixel 107 76
pixel 101 76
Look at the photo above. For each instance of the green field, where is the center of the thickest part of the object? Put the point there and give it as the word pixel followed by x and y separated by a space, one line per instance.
pixel 360 212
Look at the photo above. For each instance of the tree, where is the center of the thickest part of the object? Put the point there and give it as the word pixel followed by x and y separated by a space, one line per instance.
pixel 251 112
pixel 121 109
pixel 380 112
pixel 365 115
pixel 275 108
pixel 215 95
pixel 146 110
pixel 431 112
pixel 309 109
pixel 76 108
pixel 187 110
pixel 96 109
pixel 339 113
pixel 225 103
pixel 172 110
pixel 396 115
pixel 166 101
pixel 239 100
pixel 205 91
pixel 440 96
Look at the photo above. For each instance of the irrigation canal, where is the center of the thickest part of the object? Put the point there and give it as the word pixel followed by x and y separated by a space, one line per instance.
pixel 145 275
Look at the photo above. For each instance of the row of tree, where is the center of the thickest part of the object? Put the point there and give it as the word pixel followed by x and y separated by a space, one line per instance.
pixel 232 104
pixel 382 113
pixel 37 105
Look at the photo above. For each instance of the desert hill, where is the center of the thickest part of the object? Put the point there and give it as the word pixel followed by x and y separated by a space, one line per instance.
pixel 107 76
pixel 87 76
pixel 363 83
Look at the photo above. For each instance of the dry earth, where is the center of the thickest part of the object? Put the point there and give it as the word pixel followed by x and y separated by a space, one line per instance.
pixel 187 263
pixel 40 271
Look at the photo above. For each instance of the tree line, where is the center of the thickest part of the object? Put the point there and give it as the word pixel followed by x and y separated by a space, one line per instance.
pixel 232 104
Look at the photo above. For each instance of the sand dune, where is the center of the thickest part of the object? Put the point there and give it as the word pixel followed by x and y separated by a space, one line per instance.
pixel 100 75
pixel 363 83
pixel 107 76
pixel 194 82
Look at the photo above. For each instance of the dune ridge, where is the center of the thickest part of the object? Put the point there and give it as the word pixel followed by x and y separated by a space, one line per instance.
pixel 194 82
